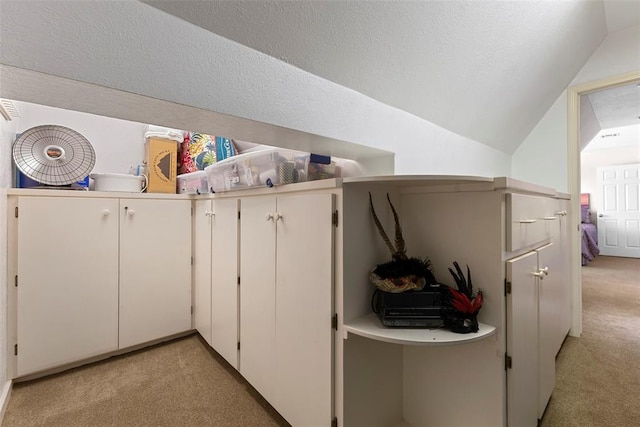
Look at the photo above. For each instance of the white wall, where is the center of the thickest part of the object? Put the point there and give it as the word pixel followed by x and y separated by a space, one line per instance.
pixel 160 56
pixel 118 144
pixel 542 157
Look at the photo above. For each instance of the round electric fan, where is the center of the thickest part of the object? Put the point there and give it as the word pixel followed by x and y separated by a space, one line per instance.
pixel 53 155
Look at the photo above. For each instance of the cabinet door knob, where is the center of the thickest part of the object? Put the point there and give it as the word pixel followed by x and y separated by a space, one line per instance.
pixel 131 212
pixel 269 216
pixel 539 274
pixel 106 212
pixel 209 213
pixel 561 213
pixel 278 217
pixel 545 271
pixel 600 215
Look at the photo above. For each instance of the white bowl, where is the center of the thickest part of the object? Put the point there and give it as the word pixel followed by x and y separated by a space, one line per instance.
pixel 118 182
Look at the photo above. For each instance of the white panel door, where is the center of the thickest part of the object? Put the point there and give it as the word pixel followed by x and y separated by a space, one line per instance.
pixel 224 282
pixel 550 294
pixel 258 293
pixel 522 341
pixel 155 269
pixel 304 307
pixel 68 280
pixel 619 210
pixel 202 268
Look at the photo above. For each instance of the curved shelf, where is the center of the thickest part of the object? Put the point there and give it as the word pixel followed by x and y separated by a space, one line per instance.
pixel 369 326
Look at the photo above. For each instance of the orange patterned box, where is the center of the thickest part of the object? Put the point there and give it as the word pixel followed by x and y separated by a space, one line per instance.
pixel 161 156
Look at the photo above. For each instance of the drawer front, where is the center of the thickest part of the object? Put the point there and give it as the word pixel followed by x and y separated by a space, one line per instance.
pixel 530 220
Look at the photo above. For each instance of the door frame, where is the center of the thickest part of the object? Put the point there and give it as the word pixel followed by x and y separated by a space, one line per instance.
pixel 573 170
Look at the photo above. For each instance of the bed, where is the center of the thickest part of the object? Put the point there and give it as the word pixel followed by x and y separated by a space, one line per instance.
pixel 588 231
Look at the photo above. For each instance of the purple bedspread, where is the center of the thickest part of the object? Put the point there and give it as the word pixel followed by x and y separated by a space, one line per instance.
pixel 589 242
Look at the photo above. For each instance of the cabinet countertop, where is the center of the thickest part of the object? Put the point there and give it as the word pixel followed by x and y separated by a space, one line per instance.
pixel 92 194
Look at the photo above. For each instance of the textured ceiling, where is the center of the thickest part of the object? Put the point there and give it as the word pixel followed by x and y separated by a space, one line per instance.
pixel 487 70
pixel 617 107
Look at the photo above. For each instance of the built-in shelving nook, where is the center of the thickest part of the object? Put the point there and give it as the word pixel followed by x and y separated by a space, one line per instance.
pixel 419 377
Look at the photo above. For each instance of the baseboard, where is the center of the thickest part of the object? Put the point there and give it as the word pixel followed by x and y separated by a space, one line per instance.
pixel 4 398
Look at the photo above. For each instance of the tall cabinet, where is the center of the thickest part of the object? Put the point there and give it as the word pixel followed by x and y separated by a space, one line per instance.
pixel 286 303
pixel 216 274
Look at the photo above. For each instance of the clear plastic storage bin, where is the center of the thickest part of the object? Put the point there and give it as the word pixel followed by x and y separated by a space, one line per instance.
pixel 193 183
pixel 274 166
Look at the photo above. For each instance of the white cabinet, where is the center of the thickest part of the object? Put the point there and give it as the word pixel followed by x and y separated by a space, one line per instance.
pixel 532 319
pixel 67 277
pixel 155 269
pixel 95 274
pixel 216 275
pixel 286 303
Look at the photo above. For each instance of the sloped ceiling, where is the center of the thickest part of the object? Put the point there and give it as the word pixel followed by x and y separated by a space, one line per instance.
pixel 487 70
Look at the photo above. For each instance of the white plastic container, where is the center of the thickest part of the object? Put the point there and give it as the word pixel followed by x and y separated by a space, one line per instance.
pixel 273 166
pixel 118 182
pixel 193 183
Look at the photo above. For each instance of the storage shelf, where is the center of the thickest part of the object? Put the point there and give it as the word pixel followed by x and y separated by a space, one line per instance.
pixel 369 326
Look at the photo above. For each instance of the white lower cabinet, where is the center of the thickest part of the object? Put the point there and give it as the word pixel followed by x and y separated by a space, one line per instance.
pixel 216 275
pixel 155 269
pixel 286 303
pixel 67 280
pixel 96 274
pixel 532 318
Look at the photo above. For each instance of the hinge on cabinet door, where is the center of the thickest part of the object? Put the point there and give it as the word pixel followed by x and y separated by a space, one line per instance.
pixel 191 211
pixel 334 322
pixel 507 287
pixel 15 349
pixel 16 281
pixel 507 361
pixel 334 218
pixel 191 260
pixel 191 309
pixel 238 345
pixel 238 280
pixel 16 212
pixel 334 422
pixel 238 214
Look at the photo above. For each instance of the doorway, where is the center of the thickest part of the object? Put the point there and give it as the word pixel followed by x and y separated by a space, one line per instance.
pixel 574 94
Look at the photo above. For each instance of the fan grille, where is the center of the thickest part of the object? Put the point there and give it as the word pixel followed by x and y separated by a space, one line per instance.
pixel 53 155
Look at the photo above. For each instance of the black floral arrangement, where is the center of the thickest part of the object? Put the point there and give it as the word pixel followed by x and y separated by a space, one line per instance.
pixel 465 305
pixel 402 273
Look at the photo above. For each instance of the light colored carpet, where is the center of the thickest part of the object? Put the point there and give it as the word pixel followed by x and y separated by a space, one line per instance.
pixel 598 374
pixel 180 383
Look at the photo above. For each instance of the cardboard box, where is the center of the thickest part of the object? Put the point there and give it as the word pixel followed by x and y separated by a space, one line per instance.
pixel 161 156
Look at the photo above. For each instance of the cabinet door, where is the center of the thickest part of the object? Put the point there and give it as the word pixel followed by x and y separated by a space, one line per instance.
pixel 258 293
pixel 68 280
pixel 202 268
pixel 522 341
pixel 224 281
pixel 563 274
pixel 549 312
pixel 304 307
pixel 155 269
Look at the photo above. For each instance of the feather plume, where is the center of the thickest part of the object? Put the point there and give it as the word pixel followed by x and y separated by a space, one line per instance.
pixel 380 228
pixel 401 251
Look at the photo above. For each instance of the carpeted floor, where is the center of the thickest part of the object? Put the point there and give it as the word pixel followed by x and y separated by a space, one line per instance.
pixel 181 383
pixel 598 374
